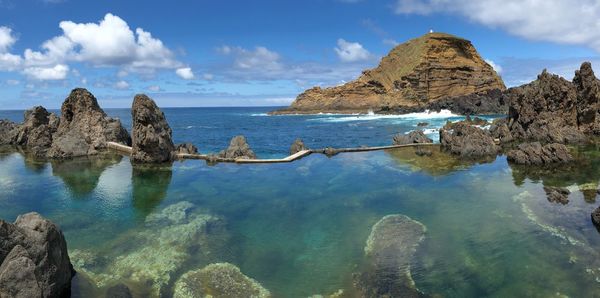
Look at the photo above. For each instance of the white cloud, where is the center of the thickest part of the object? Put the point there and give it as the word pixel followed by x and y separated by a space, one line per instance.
pixel 8 61
pixel 390 42
pixel 259 58
pixel 494 65
pixel 121 85
pixel 185 73
pixel 154 88
pixel 13 82
pixel 208 76
pixel 559 21
pixel 6 39
pixel 351 51
pixel 109 43
pixel 57 72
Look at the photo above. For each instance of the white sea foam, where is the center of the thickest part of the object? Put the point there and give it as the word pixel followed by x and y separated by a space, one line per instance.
pixel 443 114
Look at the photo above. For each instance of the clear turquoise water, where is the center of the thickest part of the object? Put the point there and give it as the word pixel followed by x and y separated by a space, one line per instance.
pixel 300 229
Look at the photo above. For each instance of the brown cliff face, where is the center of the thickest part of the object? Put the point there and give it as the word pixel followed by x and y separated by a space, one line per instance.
pixel 413 75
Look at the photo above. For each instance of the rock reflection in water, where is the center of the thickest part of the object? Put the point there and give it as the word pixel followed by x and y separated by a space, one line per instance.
pixel 433 160
pixel 150 185
pixel 81 175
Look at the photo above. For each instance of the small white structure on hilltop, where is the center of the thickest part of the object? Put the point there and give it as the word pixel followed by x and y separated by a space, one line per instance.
pixel 430 30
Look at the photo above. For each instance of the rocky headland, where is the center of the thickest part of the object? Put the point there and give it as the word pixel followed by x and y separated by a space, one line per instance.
pixel 435 71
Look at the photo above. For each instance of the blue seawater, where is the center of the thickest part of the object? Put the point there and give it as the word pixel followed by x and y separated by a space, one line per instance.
pixel 300 229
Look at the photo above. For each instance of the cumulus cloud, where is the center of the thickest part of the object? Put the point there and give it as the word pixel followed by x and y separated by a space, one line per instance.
pixel 260 57
pixel 122 85
pixel 559 21
pixel 351 51
pixel 185 73
pixel 109 43
pixel 494 65
pixel 12 82
pixel 57 72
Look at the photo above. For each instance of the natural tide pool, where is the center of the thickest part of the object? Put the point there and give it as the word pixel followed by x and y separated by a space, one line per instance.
pixel 300 229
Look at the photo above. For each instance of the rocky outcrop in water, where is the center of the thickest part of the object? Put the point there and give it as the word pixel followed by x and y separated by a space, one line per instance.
pixel 554 110
pixel 8 132
pixel 389 251
pixel 36 133
pixel 414 76
pixel 467 140
pixel 220 280
pixel 297 146
pixel 536 154
pixel 151 134
pixel 34 259
pixel 84 127
pixel 238 148
pixel 413 137
pixel 186 148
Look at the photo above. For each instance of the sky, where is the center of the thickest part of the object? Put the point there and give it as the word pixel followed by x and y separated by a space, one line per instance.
pixel 189 53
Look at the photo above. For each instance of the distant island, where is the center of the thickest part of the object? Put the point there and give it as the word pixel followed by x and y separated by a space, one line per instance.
pixel 435 71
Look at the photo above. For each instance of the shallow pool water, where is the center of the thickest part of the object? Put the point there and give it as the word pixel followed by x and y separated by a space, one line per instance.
pixel 300 229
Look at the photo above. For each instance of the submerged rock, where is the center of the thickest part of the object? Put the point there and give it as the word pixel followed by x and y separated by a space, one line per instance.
pixel 151 257
pixel 536 154
pixel 238 148
pixel 389 252
pixel 297 146
pixel 118 291
pixel 8 132
pixel 466 140
pixel 186 148
pixel 413 137
pixel 422 124
pixel 557 194
pixel 151 134
pixel 36 133
pixel 84 127
pixel 220 280
pixel 33 254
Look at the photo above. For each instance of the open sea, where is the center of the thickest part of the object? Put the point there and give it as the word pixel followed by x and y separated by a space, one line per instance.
pixel 300 229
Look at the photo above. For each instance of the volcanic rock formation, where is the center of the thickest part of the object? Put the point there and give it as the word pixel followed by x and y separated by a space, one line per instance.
pixel 34 260
pixel 151 134
pixel 415 75
pixel 84 127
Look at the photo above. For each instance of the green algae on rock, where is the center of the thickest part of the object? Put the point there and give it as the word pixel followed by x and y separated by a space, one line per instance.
pixel 389 252
pixel 218 280
pixel 153 255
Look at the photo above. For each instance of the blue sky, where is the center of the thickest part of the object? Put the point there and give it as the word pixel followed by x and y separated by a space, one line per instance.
pixel 244 53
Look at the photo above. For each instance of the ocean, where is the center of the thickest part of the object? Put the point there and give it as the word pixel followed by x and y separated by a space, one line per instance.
pixel 300 229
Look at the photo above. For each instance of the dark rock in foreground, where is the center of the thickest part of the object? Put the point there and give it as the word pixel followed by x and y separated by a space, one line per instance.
pixel 297 146
pixel 500 131
pixel 84 127
pixel 557 194
pixel 413 137
pixel 536 154
pixel 596 217
pixel 34 258
pixel 151 134
pixel 187 148
pixel 467 140
pixel 389 251
pixel 36 133
pixel 238 148
pixel 219 280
